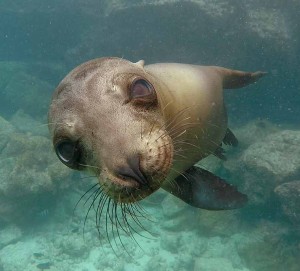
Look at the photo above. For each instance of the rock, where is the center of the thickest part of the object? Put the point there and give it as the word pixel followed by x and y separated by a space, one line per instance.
pixel 215 264
pixel 289 196
pixel 254 131
pixel 273 252
pixel 184 243
pixel 268 163
pixel 130 30
pixel 5 130
pixel 172 206
pixel 29 171
pixel 268 23
pixel 176 213
pixel 277 156
pixel 26 124
pixel 74 247
pixel 24 163
pixel 19 256
pixel 218 223
pixel 9 235
pixel 170 242
pixel 255 22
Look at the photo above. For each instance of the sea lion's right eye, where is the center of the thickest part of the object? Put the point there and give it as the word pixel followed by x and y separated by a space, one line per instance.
pixel 141 90
pixel 68 153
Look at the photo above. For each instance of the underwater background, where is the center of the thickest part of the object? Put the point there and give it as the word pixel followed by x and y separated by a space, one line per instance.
pixel 44 226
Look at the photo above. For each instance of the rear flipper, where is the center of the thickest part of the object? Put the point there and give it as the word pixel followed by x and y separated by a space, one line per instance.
pixel 238 79
pixel 202 189
pixel 230 139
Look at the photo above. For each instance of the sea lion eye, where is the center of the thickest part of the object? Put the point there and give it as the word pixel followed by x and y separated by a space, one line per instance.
pixel 68 153
pixel 142 90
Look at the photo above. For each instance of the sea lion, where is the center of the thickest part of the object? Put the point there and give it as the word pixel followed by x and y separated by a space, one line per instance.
pixel 138 128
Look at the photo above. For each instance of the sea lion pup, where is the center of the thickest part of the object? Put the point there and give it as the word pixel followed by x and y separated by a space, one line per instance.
pixel 138 128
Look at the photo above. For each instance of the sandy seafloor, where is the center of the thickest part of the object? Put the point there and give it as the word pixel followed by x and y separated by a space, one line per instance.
pixel 176 243
pixel 65 249
pixel 179 237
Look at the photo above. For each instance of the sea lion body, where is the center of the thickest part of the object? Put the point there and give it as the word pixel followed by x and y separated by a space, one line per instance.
pixel 196 93
pixel 138 128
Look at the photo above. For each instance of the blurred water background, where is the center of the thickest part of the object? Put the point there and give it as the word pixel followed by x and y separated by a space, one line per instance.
pixel 40 41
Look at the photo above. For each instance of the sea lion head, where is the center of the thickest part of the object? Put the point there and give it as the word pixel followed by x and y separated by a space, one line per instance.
pixel 106 117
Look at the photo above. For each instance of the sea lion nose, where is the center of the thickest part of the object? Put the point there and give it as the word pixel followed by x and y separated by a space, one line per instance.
pixel 133 170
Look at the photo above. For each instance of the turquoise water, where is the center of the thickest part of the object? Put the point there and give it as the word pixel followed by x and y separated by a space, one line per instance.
pixel 42 224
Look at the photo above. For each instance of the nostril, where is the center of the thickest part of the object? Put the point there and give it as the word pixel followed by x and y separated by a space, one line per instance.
pixel 132 170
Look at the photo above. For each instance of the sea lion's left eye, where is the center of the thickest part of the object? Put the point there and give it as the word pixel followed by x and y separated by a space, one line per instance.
pixel 68 153
pixel 142 90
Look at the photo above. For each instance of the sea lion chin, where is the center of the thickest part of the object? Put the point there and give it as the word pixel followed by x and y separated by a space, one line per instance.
pixel 139 128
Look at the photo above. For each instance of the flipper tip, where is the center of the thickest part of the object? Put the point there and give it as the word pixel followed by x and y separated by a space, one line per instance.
pixel 258 74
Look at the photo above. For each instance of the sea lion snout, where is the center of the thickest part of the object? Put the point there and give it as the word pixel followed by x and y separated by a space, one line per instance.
pixel 132 171
pixel 136 172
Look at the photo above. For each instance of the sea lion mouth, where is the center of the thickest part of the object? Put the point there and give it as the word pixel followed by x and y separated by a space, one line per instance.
pixel 127 189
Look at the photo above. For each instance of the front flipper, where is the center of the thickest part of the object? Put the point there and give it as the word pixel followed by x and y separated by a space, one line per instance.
pixel 202 189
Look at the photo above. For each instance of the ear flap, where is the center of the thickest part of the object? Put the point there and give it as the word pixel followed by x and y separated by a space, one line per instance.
pixel 141 63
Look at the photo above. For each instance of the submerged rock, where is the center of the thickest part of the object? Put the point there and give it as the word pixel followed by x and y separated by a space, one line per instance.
pixel 18 256
pixel 289 196
pixel 254 132
pixel 176 214
pixel 29 172
pixel 172 207
pixel 9 235
pixel 278 155
pixel 26 124
pixel 6 129
pixel 215 264
pixel 218 223
pixel 272 252
pixel 265 164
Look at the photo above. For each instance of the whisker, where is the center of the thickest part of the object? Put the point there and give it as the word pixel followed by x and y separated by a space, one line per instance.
pixel 182 133
pixel 179 124
pixel 190 144
pixel 119 222
pixel 137 222
pixel 167 124
pixel 99 213
pixel 83 196
pixel 180 173
pixel 88 177
pixel 115 210
pixel 96 194
pixel 106 225
pixel 111 218
pixel 151 128
pixel 181 155
pixel 165 107
pixel 130 228
pixel 90 166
